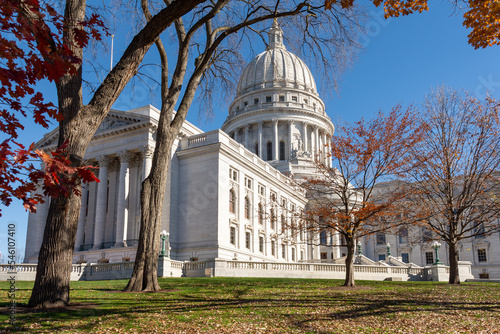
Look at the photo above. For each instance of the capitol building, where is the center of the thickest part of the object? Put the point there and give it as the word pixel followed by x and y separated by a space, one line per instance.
pixel 229 190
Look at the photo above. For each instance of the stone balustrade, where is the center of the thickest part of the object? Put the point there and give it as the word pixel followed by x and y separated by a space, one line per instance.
pixel 233 268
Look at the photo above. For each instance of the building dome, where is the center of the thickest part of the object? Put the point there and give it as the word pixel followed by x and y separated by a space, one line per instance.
pixel 276 67
pixel 277 113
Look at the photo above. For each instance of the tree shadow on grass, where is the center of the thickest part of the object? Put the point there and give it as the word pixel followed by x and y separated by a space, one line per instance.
pixel 89 311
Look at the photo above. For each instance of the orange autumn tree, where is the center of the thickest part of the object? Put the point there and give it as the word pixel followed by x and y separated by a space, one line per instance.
pixel 481 16
pixel 342 196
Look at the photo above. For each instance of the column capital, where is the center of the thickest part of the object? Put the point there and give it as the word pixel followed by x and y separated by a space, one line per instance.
pixel 124 156
pixel 103 160
pixel 147 151
pixel 290 121
pixel 275 121
pixel 260 123
pixel 247 127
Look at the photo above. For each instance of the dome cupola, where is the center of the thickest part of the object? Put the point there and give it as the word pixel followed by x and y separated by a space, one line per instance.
pixel 277 113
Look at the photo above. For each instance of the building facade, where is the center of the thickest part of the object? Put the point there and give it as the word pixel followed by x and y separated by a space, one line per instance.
pixel 229 192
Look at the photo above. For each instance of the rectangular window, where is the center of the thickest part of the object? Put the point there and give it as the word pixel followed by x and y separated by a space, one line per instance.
pixel 248 183
pixel 233 174
pixel 283 251
pixel 262 190
pixel 282 98
pixel 381 257
pixel 484 276
pixel 245 103
pixel 268 99
pixel 324 256
pixel 405 257
pixel 256 101
pixel 294 98
pixel 381 239
pixel 261 244
pixel 403 236
pixel 232 235
pixel 293 254
pixel 481 255
pixel 429 257
pixel 306 101
pixel 273 248
pixel 247 240
pixel 302 255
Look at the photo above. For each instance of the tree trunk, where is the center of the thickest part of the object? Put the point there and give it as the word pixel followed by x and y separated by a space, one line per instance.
pixel 51 287
pixel 453 259
pixel 349 263
pixel 145 274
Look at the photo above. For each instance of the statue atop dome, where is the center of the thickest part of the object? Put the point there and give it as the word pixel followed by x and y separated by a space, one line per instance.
pixel 275 37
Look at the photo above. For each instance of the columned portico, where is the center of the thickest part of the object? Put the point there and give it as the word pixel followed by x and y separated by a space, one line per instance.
pixel 122 205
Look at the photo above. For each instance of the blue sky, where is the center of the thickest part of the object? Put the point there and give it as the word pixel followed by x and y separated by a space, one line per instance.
pixel 403 59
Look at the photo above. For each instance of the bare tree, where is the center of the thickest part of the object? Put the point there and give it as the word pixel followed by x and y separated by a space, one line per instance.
pixel 342 198
pixel 455 184
pixel 210 33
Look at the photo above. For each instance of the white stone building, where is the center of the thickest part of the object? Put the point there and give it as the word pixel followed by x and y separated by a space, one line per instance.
pixel 228 191
pixel 218 201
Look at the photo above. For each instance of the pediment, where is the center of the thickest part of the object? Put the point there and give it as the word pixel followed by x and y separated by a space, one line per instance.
pixel 115 122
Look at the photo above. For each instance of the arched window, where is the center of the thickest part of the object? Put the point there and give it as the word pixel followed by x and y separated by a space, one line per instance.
pixel 282 150
pixel 256 148
pixel 269 151
pixel 322 238
pixel 261 214
pixel 247 207
pixel 232 201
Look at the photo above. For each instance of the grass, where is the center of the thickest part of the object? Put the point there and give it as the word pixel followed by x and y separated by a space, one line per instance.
pixel 257 305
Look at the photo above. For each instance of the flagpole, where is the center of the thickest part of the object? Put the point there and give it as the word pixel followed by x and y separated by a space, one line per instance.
pixel 111 62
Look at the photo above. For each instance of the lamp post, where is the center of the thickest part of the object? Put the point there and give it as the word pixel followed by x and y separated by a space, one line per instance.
pixel 436 245
pixel 388 249
pixel 163 236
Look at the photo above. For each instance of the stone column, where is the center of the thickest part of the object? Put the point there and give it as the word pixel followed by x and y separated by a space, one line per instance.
pixel 123 193
pixel 261 150
pixel 81 219
pixel 324 148
pixel 41 219
pixel 316 141
pixel 101 202
pixel 305 139
pixel 275 140
pixel 247 135
pixel 90 218
pixel 147 155
pixel 329 141
pixel 290 139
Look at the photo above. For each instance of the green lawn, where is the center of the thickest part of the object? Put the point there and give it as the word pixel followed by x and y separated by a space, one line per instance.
pixel 252 305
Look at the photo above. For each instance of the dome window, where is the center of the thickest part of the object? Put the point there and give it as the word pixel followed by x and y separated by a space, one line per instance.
pixel 269 151
pixel 268 99
pixel 282 98
pixel 294 98
pixel 245 103
pixel 306 101
pixel 282 150
pixel 237 108
pixel 256 101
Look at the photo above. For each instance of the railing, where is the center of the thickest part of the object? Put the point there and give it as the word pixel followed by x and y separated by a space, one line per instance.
pixel 123 270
